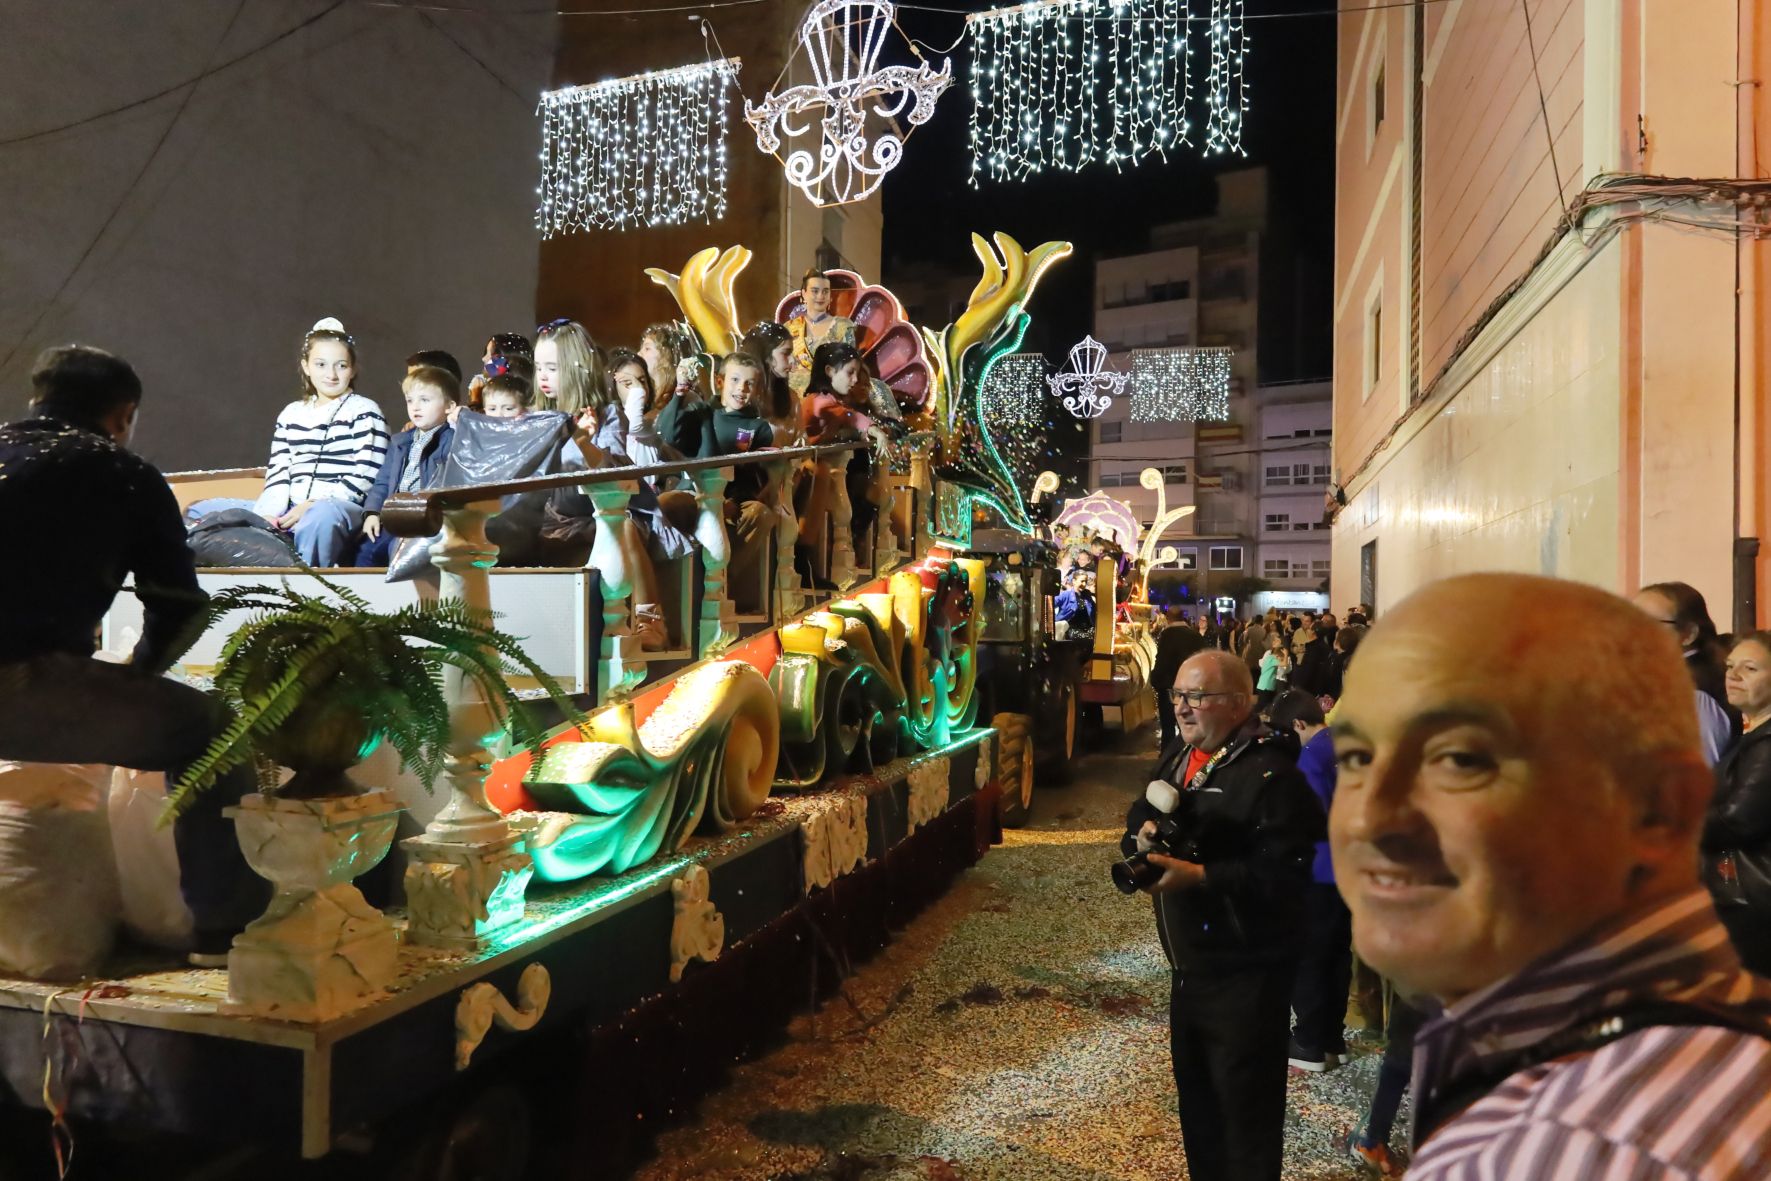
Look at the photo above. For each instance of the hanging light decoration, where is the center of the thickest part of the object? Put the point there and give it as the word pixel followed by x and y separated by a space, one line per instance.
pixel 1089 387
pixel 849 91
pixel 1226 91
pixel 649 150
pixel 1014 405
pixel 1063 84
pixel 1180 385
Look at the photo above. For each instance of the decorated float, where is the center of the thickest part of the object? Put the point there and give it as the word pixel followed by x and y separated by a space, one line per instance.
pixel 683 848
pixel 1104 536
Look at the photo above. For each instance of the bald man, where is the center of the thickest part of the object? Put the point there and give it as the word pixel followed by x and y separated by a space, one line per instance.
pixel 1515 830
pixel 1231 917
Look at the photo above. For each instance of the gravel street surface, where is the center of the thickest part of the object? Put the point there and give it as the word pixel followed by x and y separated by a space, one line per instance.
pixel 1018 1030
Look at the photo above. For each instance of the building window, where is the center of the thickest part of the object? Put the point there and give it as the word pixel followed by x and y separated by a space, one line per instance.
pixel 1374 339
pixel 1275 568
pixel 1278 477
pixel 1226 557
pixel 1278 522
pixel 1377 97
pixel 1110 432
pixel 1189 559
pixel 1319 473
pixel 1174 473
pixel 1319 568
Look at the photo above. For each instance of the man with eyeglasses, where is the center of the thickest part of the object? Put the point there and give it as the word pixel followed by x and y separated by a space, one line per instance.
pixel 1231 917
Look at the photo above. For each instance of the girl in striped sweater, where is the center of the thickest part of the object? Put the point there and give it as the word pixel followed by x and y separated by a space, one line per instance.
pixel 325 454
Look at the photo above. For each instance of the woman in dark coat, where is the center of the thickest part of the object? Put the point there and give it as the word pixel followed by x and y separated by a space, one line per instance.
pixel 1737 831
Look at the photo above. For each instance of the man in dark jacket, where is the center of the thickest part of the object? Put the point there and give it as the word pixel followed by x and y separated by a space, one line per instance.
pixel 1312 672
pixel 1174 644
pixel 71 463
pixel 1230 917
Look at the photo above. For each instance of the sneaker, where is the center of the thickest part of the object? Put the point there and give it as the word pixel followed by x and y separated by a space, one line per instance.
pixel 1374 1159
pixel 1302 1059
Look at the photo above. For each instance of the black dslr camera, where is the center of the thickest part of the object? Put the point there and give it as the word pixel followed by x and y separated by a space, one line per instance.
pixel 1176 837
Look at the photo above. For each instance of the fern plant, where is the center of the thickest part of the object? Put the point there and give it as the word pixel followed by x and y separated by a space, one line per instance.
pixel 315 685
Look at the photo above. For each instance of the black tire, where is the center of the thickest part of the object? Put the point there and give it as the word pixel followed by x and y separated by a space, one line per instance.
pixel 485 1135
pixel 1058 756
pixel 1014 768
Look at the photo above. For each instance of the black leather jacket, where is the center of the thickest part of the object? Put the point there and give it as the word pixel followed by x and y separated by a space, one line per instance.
pixel 1258 823
pixel 1739 822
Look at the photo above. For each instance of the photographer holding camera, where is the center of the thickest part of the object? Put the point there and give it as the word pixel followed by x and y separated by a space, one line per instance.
pixel 1223 841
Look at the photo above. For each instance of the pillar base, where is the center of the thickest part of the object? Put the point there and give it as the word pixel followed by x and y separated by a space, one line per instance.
pixel 463 895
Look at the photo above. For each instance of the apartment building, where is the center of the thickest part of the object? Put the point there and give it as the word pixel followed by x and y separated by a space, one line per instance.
pixel 1293 551
pixel 1549 357
pixel 1196 286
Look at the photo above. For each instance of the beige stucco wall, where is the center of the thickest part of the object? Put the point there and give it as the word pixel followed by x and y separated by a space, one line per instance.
pixel 1518 470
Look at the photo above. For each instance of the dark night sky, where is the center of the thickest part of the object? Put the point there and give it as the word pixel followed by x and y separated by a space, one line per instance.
pixel 930 211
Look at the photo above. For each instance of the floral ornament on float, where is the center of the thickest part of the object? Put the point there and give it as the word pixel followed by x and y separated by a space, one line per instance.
pixel 842 39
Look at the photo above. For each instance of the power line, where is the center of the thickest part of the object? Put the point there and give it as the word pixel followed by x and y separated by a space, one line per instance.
pixel 177 86
pixel 68 279
pixel 436 27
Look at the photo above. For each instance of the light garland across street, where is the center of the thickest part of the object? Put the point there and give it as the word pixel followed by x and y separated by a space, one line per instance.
pixel 649 150
pixel 1064 84
pixel 1180 385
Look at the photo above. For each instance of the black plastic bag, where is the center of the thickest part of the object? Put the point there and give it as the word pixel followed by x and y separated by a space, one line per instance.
pixel 238 537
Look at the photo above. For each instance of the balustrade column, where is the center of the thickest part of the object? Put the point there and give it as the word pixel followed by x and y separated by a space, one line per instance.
pixel 716 628
pixel 842 513
pixel 790 597
pixel 620 664
pixel 466 874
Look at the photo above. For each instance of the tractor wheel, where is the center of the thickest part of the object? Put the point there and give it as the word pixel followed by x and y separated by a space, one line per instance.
pixel 1014 768
pixel 1065 712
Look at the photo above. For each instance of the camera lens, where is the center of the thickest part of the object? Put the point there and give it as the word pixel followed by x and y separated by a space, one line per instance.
pixel 1134 873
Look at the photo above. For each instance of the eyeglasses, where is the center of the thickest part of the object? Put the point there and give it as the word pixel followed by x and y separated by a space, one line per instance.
pixel 1196 698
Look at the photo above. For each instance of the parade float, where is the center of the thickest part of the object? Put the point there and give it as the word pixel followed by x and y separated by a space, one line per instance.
pixel 1103 534
pixel 702 841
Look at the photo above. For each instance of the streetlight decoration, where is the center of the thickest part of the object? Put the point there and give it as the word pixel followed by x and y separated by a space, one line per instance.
pixel 1063 84
pixel 1226 91
pixel 1088 387
pixel 842 39
pixel 648 150
pixel 1180 385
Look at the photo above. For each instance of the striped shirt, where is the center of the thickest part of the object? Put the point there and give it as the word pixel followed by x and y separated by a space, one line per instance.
pixel 1689 1102
pixel 323 451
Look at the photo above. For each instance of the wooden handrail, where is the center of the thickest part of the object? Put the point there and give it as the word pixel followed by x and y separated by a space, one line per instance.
pixel 420 514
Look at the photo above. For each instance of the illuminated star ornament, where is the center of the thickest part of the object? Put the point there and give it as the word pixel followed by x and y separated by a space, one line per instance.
pixel 1180 385
pixel 649 150
pixel 849 96
pixel 1089 387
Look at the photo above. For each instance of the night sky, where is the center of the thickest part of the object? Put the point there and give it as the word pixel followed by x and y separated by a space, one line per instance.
pixel 930 211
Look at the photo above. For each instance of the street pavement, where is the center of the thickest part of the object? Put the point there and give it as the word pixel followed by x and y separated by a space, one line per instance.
pixel 1018 1029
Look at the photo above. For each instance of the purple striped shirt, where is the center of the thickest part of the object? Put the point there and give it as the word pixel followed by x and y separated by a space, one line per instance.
pixel 1663 1102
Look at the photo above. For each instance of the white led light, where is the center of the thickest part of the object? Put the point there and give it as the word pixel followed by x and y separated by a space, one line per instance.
pixel 1180 385
pixel 1045 95
pixel 649 150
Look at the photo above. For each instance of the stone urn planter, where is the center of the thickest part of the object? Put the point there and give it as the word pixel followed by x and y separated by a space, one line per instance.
pixel 319 949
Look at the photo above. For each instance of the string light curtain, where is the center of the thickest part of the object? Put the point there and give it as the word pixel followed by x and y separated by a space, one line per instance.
pixel 1064 84
pixel 1180 385
pixel 649 150
pixel 1014 399
pixel 1226 92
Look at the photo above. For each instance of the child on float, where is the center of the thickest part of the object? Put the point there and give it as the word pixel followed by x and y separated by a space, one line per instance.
pixel 326 451
pixel 771 344
pixel 571 375
pixel 832 411
pixel 679 411
pixel 735 428
pixel 415 456
pixel 501 349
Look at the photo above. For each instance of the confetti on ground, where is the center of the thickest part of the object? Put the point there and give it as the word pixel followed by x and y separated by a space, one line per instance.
pixel 1016 1031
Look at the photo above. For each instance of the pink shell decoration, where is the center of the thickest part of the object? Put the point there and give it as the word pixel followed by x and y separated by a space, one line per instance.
pixel 890 344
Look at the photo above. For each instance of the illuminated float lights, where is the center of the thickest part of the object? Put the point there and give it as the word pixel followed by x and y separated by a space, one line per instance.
pixel 647 150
